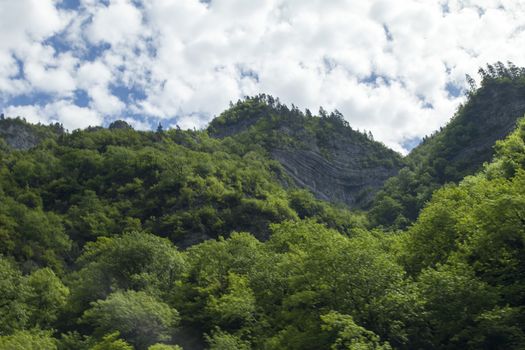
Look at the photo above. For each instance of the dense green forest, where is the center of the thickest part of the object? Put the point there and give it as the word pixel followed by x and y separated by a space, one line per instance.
pixel 116 239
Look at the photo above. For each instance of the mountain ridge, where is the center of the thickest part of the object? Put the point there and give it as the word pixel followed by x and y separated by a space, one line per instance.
pixel 123 239
pixel 338 164
pixel 321 153
pixel 458 149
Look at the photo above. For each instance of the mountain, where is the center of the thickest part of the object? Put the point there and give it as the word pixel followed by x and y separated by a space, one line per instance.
pixel 178 184
pixel 112 238
pixel 18 134
pixel 87 259
pixel 320 153
pixel 456 150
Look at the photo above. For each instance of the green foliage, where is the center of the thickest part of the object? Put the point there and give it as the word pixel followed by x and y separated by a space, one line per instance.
pixel 349 335
pixel 90 222
pixel 457 150
pixel 74 341
pixel 30 234
pixel 272 294
pixel 29 301
pixel 136 260
pixel 339 218
pixel 164 347
pixel 28 340
pixel 223 341
pixel 112 342
pixel 453 297
pixel 469 261
pixel 235 307
pixel 14 313
pixel 46 297
pixel 140 318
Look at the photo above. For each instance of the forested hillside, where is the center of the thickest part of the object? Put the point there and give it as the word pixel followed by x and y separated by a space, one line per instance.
pixel 457 150
pixel 116 239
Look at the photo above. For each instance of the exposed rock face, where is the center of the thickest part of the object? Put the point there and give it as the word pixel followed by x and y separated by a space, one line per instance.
pixel 321 154
pixel 18 135
pixel 347 177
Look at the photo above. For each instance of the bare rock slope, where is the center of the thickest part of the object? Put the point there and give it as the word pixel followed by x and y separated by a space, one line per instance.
pixel 322 154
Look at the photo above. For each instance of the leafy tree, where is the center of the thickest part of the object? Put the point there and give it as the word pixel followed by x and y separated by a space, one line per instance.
pixel 235 307
pixel 14 312
pixel 112 342
pixel 136 260
pixel 140 318
pixel 220 340
pixel 349 335
pixel 29 301
pixel 28 340
pixel 46 297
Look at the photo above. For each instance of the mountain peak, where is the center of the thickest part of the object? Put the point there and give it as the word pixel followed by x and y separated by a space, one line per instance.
pixel 322 153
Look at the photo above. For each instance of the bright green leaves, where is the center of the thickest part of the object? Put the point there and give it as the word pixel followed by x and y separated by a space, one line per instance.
pixel 467 253
pixel 236 307
pixel 29 340
pixel 14 313
pixel 224 341
pixel 32 235
pixel 140 318
pixel 350 336
pixel 273 294
pixel 46 296
pixel 452 297
pixel 136 260
pixel 112 342
pixel 29 301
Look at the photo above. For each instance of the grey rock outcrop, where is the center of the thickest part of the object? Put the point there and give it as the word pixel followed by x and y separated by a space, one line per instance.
pixel 19 136
pixel 322 154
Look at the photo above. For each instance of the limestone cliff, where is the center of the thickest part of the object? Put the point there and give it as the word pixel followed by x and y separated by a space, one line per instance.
pixel 323 154
pixel 20 135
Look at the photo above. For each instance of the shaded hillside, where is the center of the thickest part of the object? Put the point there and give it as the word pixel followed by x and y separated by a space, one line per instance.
pixel 457 150
pixel 320 153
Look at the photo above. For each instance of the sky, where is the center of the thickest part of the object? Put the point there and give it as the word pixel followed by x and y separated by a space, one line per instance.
pixel 395 68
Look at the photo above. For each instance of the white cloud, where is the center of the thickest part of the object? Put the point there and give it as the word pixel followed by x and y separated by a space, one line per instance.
pixel 23 26
pixel 32 114
pixel 138 124
pixel 104 102
pixel 93 73
pixel 384 65
pixel 71 116
pixel 114 24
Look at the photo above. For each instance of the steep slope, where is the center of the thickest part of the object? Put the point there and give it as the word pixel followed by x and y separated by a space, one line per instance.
pixel 467 141
pixel 457 150
pixel 323 154
pixel 20 135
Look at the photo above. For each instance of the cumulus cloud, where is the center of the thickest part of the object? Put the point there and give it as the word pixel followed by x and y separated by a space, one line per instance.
pixel 68 114
pixel 388 67
pixel 114 24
